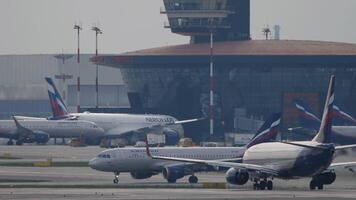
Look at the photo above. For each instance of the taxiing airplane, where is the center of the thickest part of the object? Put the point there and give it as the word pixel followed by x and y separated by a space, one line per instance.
pixel 40 130
pixel 119 125
pixel 286 160
pixel 136 161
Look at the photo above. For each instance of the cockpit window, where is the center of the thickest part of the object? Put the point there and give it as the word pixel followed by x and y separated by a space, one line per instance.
pixel 104 156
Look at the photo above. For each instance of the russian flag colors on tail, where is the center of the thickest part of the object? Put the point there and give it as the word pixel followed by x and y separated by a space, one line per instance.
pixel 59 109
pixel 342 116
pixel 324 134
pixel 308 119
pixel 268 131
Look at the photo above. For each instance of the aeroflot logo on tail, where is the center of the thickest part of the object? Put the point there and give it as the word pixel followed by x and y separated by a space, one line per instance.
pixel 159 120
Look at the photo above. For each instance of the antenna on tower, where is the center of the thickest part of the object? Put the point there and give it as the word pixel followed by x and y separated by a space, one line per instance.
pixel 266 32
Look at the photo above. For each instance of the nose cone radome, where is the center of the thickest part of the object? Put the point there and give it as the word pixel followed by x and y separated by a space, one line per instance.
pixel 100 165
pixel 94 163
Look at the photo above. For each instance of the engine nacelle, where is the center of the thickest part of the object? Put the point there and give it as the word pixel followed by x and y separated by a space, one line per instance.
pixel 141 174
pixel 237 177
pixel 173 173
pixel 38 137
pixel 325 178
pixel 172 137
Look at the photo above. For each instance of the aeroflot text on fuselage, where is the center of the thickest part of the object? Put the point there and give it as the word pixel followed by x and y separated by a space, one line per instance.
pixel 159 120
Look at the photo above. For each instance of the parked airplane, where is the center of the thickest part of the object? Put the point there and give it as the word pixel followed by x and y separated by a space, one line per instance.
pixel 286 160
pixel 119 125
pixel 41 130
pixel 308 119
pixel 135 160
pixel 341 134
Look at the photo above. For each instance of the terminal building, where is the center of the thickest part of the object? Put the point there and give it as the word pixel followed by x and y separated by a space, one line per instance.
pixel 253 78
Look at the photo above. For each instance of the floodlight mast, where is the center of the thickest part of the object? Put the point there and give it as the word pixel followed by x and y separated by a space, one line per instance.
pixel 97 32
pixel 78 28
pixel 211 80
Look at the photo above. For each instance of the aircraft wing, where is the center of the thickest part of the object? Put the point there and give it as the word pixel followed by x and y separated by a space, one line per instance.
pixel 186 121
pixel 345 147
pixel 346 165
pixel 217 163
pixel 115 133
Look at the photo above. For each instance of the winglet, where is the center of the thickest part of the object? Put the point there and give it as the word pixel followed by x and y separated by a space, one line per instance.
pixel 148 148
pixel 324 134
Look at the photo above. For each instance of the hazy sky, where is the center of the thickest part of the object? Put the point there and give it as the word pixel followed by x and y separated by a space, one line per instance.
pixel 46 26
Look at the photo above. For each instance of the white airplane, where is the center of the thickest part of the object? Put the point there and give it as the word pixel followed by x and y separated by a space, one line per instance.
pixel 136 161
pixel 41 130
pixel 119 125
pixel 286 160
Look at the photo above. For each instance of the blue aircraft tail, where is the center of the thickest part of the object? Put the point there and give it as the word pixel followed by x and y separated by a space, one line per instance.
pixel 268 131
pixel 341 117
pixel 59 109
pixel 306 117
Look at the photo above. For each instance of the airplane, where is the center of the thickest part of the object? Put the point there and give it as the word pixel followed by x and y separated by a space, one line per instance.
pixel 308 119
pixel 263 162
pixel 120 125
pixel 135 160
pixel 41 130
pixel 341 134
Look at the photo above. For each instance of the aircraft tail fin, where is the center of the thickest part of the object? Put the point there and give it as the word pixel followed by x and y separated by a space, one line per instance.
pixel 342 116
pixel 59 109
pixel 268 131
pixel 306 117
pixel 324 134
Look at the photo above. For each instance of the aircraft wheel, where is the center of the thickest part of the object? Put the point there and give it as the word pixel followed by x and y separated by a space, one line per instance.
pixel 262 185
pixel 172 180
pixel 193 179
pixel 255 186
pixel 116 181
pixel 270 185
pixel 320 186
pixel 10 142
pixel 19 142
pixel 312 185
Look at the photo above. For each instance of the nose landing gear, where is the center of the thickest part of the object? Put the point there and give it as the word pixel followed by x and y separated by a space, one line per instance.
pixel 116 179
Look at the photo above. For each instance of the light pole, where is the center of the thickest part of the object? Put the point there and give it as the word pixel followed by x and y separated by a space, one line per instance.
pixel 78 28
pixel 97 32
pixel 211 108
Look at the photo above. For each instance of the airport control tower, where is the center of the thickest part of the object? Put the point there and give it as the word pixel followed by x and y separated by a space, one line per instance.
pixel 230 19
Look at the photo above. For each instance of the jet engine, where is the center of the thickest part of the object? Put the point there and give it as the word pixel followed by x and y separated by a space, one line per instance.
pixel 39 137
pixel 237 177
pixel 141 174
pixel 325 178
pixel 171 174
pixel 172 136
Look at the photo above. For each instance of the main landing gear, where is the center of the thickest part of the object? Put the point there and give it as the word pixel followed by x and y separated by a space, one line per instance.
pixel 10 142
pixel 314 184
pixel 193 179
pixel 116 179
pixel 262 185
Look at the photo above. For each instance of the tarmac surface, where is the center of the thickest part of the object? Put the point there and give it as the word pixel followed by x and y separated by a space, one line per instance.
pixel 85 183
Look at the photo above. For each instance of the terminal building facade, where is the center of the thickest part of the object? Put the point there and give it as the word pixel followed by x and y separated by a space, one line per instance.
pixel 252 77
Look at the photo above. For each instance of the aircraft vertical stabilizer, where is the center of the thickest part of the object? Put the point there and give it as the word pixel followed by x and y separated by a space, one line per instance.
pixel 324 134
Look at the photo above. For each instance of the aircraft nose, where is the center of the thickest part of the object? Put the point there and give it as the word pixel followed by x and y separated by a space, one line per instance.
pixel 94 164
